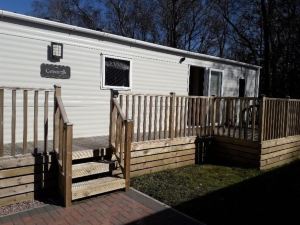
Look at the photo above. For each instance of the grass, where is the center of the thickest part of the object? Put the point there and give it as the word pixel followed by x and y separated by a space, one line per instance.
pixel 221 195
pixel 183 184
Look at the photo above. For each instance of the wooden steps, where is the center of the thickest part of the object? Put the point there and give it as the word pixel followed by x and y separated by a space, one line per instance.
pixel 90 153
pixel 92 175
pixel 91 168
pixel 97 186
pixel 85 154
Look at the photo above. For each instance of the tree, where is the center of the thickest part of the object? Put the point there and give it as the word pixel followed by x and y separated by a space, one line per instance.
pixel 135 19
pixel 173 21
pixel 74 12
pixel 261 32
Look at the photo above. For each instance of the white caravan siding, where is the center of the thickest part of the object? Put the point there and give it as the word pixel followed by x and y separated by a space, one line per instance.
pixel 23 48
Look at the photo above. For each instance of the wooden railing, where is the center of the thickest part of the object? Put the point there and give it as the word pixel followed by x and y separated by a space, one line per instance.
pixel 236 117
pixel 62 144
pixel 171 116
pixel 23 92
pixel 281 118
pixel 121 130
pixel 165 116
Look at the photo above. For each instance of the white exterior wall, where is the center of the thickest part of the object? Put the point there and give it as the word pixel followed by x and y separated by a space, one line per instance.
pixel 23 48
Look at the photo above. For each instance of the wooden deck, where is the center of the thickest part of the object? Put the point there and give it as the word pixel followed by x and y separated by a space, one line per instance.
pixel 79 144
pixel 147 133
pixel 99 142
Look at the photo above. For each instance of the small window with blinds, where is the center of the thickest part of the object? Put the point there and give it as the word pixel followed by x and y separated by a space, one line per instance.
pixel 116 73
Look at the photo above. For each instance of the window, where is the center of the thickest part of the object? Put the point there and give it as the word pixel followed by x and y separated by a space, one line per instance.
pixel 116 73
pixel 215 83
pixel 242 84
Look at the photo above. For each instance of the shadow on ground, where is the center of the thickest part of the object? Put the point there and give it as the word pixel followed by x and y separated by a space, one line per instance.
pixel 271 198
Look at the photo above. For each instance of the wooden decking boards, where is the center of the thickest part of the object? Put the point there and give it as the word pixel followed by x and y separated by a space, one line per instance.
pixel 97 186
pixel 90 168
pixel 90 153
pixel 83 154
pixel 79 144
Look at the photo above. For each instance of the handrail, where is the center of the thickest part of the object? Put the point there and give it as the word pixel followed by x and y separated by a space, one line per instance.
pixel 62 109
pixel 121 130
pixel 242 98
pixel 194 96
pixel 140 94
pixel 27 88
pixel 185 96
pixel 62 144
pixel 282 99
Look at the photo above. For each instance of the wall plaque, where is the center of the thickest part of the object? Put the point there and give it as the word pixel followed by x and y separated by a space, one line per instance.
pixel 55 71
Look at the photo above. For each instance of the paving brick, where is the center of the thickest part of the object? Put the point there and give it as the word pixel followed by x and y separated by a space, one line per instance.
pixel 6 219
pixel 113 209
pixel 27 219
pixel 6 223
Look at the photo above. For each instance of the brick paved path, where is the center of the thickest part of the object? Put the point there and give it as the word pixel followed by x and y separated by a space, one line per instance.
pixel 131 208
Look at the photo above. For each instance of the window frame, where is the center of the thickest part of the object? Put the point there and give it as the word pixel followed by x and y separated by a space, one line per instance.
pixel 209 80
pixel 103 86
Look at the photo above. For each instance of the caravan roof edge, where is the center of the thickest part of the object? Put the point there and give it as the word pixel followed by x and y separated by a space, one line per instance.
pixel 50 23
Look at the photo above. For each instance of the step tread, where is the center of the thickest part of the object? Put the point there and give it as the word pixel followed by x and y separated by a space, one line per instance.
pixel 85 154
pixel 90 168
pixel 90 153
pixel 97 186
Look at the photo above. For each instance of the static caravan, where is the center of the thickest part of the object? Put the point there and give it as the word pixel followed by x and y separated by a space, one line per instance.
pixel 88 64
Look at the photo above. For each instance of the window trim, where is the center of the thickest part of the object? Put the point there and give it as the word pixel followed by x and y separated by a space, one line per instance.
pixel 209 80
pixel 103 86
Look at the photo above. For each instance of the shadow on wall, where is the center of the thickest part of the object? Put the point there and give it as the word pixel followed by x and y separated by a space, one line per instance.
pixel 272 198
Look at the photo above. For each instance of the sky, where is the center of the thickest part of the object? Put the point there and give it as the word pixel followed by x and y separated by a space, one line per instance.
pixel 18 6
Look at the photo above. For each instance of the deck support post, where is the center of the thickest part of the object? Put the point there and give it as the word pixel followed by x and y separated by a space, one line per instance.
pixel 127 156
pixel 68 164
pixel 261 119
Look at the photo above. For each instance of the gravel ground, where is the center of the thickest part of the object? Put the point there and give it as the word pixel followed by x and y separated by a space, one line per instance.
pixel 19 207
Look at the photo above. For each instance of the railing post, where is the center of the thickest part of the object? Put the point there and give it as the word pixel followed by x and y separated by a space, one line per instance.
pixel 25 120
pixel 127 157
pixel 35 122
pixel 46 122
pixel 68 164
pixel 113 118
pixel 172 114
pixel 57 92
pixel 261 119
pixel 1 122
pixel 213 116
pixel 287 116
pixel 13 123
